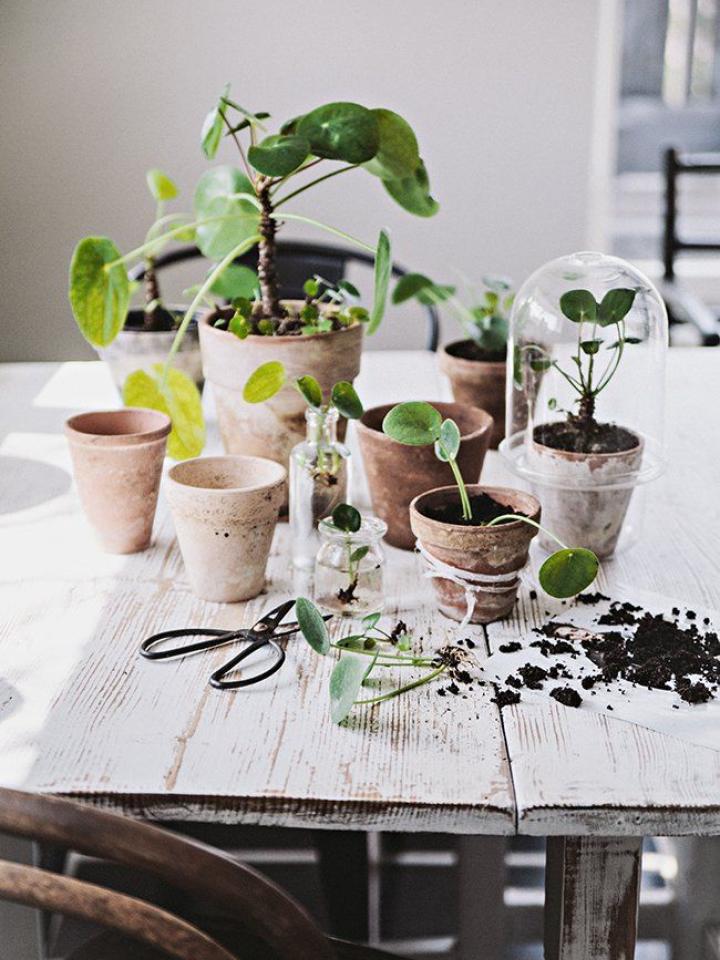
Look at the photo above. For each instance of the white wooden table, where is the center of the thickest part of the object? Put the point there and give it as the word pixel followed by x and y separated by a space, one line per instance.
pixel 81 714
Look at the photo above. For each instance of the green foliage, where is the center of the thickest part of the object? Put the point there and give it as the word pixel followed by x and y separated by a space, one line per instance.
pixel 346 518
pixel 99 290
pixel 235 282
pixel 160 185
pixel 414 423
pixel 383 271
pixel 346 401
pixel 212 128
pixel 447 445
pixel 568 572
pixel 615 306
pixel 397 155
pixel 312 626
pixel 413 192
pixel 278 155
pixel 178 397
pixel 222 196
pixel 345 682
pixel 264 382
pixel 311 390
pixel 341 131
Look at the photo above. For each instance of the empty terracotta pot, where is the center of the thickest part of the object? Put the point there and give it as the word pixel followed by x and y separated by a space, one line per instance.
pixel 225 510
pixel 397 473
pixel 478 383
pixel 498 552
pixel 117 460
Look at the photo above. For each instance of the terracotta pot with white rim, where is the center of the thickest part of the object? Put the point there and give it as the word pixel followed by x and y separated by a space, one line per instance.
pixel 225 510
pixel 138 349
pixel 117 460
pixel 397 473
pixel 576 513
pixel 493 557
pixel 272 429
pixel 476 382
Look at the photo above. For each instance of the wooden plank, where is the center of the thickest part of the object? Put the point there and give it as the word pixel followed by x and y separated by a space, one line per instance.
pixel 592 885
pixel 82 714
pixel 578 772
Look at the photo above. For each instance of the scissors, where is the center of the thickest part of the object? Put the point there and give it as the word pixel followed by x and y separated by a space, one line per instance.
pixel 264 633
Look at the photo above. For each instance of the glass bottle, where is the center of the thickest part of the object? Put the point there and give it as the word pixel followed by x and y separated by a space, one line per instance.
pixel 319 481
pixel 349 568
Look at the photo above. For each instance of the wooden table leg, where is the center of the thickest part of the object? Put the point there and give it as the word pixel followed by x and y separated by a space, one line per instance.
pixel 592 886
pixel 481 905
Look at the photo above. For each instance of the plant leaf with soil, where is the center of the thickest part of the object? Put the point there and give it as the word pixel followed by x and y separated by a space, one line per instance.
pixel 346 518
pixel 383 271
pixel 278 155
pixel 415 423
pixel 398 154
pixel 346 401
pixel 568 572
pixel 341 131
pixel 179 398
pixel 264 382
pixel 215 197
pixel 413 192
pixel 579 306
pixel 312 626
pixel 99 293
pixel 345 682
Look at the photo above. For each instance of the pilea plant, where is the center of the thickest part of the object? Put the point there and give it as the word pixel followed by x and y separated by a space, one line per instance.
pixel 565 573
pixel 484 320
pixel 346 518
pixel 363 653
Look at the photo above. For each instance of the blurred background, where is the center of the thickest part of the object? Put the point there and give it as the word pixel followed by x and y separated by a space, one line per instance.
pixel 542 125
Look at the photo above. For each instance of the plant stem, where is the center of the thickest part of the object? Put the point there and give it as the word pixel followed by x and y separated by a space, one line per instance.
pixel 235 137
pixel 267 251
pixel 139 251
pixel 327 176
pixel 400 690
pixel 464 499
pixel 512 516
pixel 324 226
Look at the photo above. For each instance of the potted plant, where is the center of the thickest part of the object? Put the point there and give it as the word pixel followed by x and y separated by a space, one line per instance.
pixel 474 539
pixel 475 365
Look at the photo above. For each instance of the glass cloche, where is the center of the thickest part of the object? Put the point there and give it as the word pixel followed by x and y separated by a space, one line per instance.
pixel 586 393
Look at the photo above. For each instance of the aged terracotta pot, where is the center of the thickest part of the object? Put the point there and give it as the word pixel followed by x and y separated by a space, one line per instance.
pixel 577 514
pixel 477 383
pixel 136 349
pixel 225 510
pixel 117 459
pixel 480 550
pixel 397 473
pixel 273 428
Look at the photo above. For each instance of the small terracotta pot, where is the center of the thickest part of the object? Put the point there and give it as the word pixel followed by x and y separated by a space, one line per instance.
pixel 117 459
pixel 577 514
pixel 397 473
pixel 272 429
pixel 480 550
pixel 225 510
pixel 477 383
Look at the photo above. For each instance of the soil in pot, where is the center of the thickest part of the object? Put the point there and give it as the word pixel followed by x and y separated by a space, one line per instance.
pixel 574 436
pixel 469 350
pixel 483 507
pixel 289 326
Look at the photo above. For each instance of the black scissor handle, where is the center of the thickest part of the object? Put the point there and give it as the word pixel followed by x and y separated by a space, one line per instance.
pixel 216 639
pixel 217 679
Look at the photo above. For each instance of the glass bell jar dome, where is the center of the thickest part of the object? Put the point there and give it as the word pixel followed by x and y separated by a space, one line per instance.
pixel 586 393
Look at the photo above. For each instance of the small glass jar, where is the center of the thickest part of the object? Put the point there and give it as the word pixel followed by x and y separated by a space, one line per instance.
pixel 319 481
pixel 349 568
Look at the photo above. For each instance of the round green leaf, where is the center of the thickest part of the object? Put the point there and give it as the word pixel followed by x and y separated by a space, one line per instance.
pixel 615 305
pixel 413 192
pixel 345 682
pixel 448 443
pixel 410 285
pixel 179 398
pixel 346 518
pixel 398 154
pixel 312 626
pixel 579 306
pixel 348 288
pixel 310 389
pixel 265 382
pixel 99 294
pixel 341 131
pixel 383 272
pixel 568 571
pixel 492 333
pixel 278 155
pixel 344 398
pixel 415 423
pixel 590 347
pixel 235 281
pixel 215 196
pixel 160 185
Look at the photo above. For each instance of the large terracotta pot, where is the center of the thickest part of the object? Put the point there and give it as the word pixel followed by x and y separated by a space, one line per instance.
pixel 500 551
pixel 137 349
pixel 577 514
pixel 225 510
pixel 478 383
pixel 117 460
pixel 272 429
pixel 397 473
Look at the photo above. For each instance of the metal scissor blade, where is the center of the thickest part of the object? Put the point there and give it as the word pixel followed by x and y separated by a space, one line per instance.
pixel 268 623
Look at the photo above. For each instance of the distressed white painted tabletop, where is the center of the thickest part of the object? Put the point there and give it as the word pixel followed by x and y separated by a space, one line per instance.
pixel 81 713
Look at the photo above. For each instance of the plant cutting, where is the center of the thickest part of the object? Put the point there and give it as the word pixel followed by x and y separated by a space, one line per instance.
pixel 475 365
pixel 473 544
pixel 349 565
pixel 319 466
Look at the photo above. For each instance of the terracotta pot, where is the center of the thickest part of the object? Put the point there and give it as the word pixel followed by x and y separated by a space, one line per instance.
pixel 495 551
pixel 477 383
pixel 117 459
pixel 273 428
pixel 225 510
pixel 135 349
pixel 397 473
pixel 575 513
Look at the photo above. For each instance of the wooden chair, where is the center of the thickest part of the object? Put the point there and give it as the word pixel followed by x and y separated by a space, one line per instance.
pixel 263 923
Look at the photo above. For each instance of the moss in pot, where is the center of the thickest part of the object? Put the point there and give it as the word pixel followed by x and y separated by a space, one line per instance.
pixel 474 539
pixel 475 366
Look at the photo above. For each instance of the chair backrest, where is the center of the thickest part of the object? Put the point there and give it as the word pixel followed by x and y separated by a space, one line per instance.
pixel 188 865
pixel 296 261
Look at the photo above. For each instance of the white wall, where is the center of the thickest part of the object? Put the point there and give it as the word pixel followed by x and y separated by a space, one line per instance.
pixel 511 99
